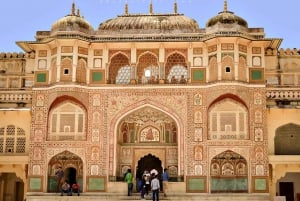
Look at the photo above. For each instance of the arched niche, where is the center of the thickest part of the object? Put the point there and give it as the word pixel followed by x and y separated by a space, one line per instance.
pixel 287 139
pixel 70 164
pixel 229 173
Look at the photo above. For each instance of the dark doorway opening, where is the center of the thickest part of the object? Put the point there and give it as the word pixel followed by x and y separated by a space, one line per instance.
pixel 148 162
pixel 287 189
pixel 19 191
pixel 70 175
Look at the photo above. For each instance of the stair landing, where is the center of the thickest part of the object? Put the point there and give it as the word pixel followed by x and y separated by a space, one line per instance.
pixel 136 196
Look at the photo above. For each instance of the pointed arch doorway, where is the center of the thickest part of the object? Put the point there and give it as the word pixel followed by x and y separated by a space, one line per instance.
pixel 148 162
pixel 144 134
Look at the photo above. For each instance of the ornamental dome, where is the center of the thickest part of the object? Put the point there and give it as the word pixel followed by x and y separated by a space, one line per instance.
pixel 226 17
pixel 150 23
pixel 72 22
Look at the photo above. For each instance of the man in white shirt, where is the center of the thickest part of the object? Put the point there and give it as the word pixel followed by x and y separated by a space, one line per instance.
pixel 155 188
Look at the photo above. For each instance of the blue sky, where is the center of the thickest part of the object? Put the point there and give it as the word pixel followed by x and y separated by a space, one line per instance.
pixel 20 19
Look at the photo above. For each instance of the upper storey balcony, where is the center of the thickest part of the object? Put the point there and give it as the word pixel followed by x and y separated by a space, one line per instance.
pixel 16 80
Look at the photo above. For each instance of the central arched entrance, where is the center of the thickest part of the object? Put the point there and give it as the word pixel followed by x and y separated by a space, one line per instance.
pixel 147 138
pixel 148 163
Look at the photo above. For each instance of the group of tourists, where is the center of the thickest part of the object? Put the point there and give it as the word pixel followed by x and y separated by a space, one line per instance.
pixel 63 186
pixel 149 184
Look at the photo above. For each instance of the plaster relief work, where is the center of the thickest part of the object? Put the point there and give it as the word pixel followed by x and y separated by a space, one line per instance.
pixel 95 135
pixel 198 135
pixel 198 117
pixel 257 99
pixel 94 170
pixel 36 170
pixel 96 100
pixel 198 153
pixel 198 170
pixel 258 135
pixel 40 100
pixel 197 99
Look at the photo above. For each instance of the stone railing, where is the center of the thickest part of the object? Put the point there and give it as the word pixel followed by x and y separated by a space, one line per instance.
pixel 16 96
pixel 283 93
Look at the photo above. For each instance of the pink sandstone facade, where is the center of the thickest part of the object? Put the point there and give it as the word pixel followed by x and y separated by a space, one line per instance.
pixel 218 106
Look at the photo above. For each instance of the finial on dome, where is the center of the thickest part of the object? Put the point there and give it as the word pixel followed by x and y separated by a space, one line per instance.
pixel 78 12
pixel 175 7
pixel 126 8
pixel 73 8
pixel 225 6
pixel 151 7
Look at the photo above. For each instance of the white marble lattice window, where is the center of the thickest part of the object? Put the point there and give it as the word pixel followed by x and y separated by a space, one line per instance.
pixel 123 76
pixel 178 71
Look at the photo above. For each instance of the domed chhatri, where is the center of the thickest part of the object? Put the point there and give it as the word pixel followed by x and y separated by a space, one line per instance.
pixel 150 23
pixel 72 22
pixel 226 18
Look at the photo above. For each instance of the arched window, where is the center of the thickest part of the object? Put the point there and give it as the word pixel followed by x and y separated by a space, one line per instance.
pixel 228 120
pixel 66 70
pixel 287 139
pixel 119 69
pixel 81 71
pixel 178 73
pixel 67 122
pixel 148 125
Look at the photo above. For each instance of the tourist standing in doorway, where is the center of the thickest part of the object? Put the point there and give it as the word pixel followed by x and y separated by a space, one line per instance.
pixel 155 188
pixel 165 180
pixel 147 178
pixel 129 180
pixel 60 177
pixel 143 187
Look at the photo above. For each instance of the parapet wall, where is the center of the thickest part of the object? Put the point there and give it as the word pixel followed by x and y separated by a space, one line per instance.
pixel 15 55
pixel 288 51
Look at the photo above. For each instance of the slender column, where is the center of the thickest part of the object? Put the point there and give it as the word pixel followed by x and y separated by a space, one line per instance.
pixel 75 62
pixel 58 64
pixel 219 61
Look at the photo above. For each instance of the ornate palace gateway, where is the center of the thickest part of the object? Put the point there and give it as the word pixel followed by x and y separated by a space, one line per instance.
pixel 218 106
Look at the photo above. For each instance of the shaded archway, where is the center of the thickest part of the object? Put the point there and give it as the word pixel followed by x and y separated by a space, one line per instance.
pixel 229 173
pixel 72 167
pixel 287 140
pixel 148 163
pixel 70 175
pixel 12 187
pixel 128 154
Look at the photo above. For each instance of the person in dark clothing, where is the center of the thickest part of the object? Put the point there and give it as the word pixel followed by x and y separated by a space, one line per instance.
pixel 59 177
pixel 143 187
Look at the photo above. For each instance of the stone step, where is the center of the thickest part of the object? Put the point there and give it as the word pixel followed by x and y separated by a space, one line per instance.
pixel 136 196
